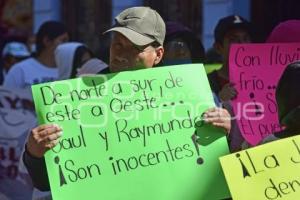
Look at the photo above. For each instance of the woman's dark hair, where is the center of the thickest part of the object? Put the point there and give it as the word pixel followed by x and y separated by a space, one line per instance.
pixel 288 100
pixel 50 29
pixel 77 63
pixel 287 91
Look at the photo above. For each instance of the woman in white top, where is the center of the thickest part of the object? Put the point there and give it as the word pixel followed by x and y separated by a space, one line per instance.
pixel 41 67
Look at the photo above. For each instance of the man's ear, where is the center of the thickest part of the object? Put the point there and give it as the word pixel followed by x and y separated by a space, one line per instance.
pixel 159 54
pixel 218 47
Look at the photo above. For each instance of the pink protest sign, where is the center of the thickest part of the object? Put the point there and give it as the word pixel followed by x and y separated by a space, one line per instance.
pixel 255 69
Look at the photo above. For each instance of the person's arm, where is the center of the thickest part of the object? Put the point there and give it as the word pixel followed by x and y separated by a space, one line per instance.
pixel 235 138
pixel 36 168
pixel 40 140
pixel 14 78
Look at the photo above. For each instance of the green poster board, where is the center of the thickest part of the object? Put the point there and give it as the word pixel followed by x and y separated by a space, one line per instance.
pixel 134 135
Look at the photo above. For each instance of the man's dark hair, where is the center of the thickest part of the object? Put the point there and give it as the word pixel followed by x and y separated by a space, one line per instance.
pixel 228 23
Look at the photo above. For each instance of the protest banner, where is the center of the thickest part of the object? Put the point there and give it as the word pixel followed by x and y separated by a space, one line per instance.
pixel 134 135
pixel 266 172
pixel 16 118
pixel 255 70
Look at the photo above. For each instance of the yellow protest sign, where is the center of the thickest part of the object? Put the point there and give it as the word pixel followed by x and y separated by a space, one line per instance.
pixel 266 172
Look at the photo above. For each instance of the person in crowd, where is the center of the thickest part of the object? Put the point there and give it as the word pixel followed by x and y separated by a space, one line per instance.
pixel 181 45
pixel 41 68
pixel 69 57
pixel 285 32
pixel 230 30
pixel 137 43
pixel 74 59
pixel 12 53
pixel 288 101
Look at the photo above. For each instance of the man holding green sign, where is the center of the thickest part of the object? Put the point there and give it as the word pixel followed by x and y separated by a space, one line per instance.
pixel 137 43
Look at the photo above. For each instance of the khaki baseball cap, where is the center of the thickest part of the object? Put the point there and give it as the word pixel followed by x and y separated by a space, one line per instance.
pixel 141 25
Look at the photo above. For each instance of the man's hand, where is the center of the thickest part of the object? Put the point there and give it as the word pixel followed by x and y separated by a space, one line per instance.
pixel 218 117
pixel 43 138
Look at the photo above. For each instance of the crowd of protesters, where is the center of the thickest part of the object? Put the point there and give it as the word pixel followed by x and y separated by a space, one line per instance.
pixel 140 39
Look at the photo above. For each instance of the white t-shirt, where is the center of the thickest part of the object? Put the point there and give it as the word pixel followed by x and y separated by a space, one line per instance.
pixel 16 119
pixel 29 72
